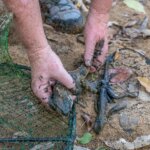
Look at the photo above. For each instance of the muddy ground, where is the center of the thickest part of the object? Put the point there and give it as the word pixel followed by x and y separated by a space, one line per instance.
pixel 70 52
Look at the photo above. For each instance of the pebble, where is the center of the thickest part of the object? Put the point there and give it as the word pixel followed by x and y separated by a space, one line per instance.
pixel 128 123
pixel 43 146
pixel 20 134
pixel 80 148
pixel 49 145
pixel 144 96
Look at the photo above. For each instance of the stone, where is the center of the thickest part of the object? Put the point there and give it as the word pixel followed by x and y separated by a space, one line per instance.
pixel 144 96
pixel 79 148
pixel 43 146
pixel 128 122
pixel 20 134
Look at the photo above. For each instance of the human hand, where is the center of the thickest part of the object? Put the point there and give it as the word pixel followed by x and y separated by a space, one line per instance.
pixel 95 31
pixel 46 68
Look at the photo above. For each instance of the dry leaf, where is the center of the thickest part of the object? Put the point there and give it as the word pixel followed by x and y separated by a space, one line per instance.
pixel 145 82
pixel 134 4
pixel 117 55
pixel 120 74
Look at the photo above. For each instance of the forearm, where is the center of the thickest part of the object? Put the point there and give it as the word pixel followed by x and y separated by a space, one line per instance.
pixel 101 6
pixel 28 21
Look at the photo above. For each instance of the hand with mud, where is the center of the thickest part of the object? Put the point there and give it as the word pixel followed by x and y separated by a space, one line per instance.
pixel 46 69
pixel 45 64
pixel 96 32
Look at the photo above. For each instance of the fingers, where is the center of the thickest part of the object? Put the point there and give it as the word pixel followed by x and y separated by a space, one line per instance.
pixel 89 50
pixel 65 78
pixel 100 59
pixel 90 47
pixel 42 90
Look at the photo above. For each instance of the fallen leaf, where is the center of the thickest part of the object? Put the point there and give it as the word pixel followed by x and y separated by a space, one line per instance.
pixel 120 74
pixel 134 4
pixel 145 82
pixel 86 138
pixel 88 121
pixel 117 55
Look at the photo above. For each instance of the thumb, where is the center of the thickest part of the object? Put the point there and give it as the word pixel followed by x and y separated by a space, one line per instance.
pixel 89 50
pixel 65 78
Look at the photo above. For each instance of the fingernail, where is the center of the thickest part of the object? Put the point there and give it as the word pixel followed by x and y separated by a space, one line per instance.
pixel 88 63
pixel 92 69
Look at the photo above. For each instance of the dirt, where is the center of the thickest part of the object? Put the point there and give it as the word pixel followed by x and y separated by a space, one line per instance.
pixel 71 52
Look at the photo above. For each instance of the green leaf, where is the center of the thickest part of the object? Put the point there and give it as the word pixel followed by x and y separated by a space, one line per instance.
pixel 134 4
pixel 86 138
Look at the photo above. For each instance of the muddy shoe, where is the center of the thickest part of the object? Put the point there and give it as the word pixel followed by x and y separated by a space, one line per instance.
pixel 63 16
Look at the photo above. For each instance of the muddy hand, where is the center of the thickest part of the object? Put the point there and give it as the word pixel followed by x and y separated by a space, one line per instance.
pixel 46 69
pixel 95 34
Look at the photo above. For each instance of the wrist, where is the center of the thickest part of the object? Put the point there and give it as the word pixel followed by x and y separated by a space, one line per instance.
pixel 38 53
pixel 100 17
pixel 101 6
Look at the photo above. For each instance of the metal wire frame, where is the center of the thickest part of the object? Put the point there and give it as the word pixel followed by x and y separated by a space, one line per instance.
pixel 68 139
pixel 71 133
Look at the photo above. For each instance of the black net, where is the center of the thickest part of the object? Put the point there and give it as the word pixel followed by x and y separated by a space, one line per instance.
pixel 24 122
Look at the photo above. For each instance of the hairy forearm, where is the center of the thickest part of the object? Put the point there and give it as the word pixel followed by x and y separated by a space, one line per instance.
pixel 28 21
pixel 101 6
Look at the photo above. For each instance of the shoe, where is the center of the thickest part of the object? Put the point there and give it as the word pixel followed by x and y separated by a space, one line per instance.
pixel 64 16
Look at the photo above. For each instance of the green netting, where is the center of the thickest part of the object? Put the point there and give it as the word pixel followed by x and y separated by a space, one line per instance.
pixel 4 30
pixel 24 122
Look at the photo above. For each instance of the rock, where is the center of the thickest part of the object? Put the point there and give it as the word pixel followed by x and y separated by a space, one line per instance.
pixel 20 134
pixel 144 96
pixel 43 146
pixel 117 107
pixel 133 87
pixel 49 145
pixel 128 123
pixel 122 144
pixel 80 148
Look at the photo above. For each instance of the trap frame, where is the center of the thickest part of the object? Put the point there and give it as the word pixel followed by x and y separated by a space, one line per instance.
pixel 24 122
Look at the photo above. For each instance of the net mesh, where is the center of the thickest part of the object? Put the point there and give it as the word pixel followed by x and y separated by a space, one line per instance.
pixel 24 122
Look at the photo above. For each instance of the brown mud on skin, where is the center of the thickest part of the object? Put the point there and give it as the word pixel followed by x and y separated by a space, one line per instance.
pixel 70 53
